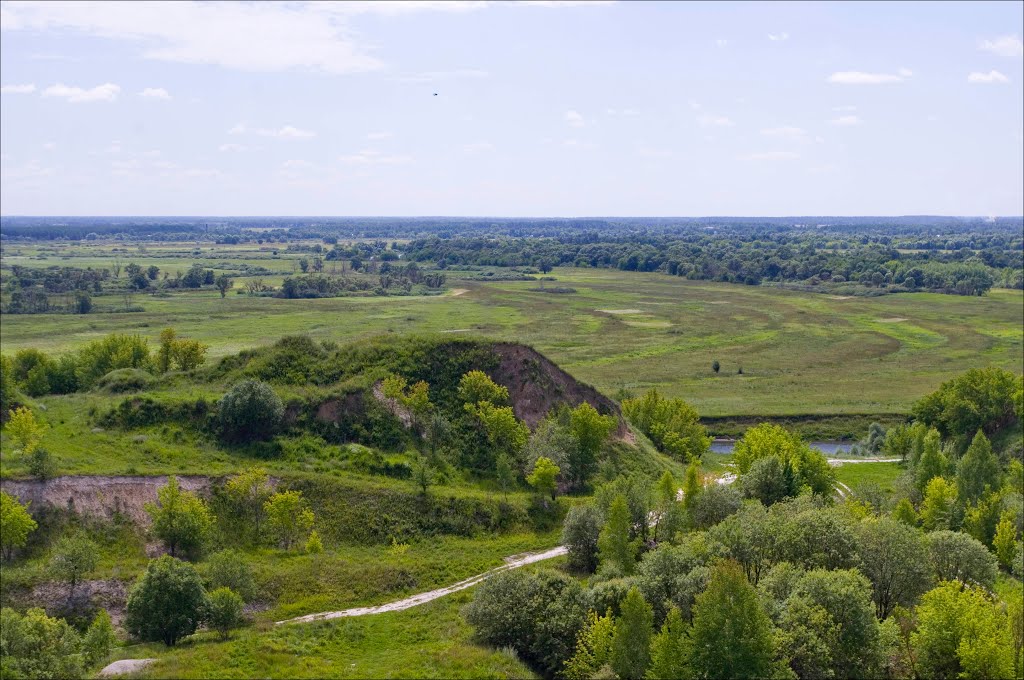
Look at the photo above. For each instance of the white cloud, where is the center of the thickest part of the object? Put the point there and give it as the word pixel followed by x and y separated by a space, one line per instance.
pixel 574 119
pixel 32 170
pixel 778 37
pixel 563 3
pixel 246 36
pixel 435 76
pixel 785 132
pixel 712 120
pixel 374 157
pixel 379 135
pixel 478 147
pixel 905 72
pixel 1004 46
pixel 987 78
pixel 771 156
pixel 721 42
pixel 629 113
pixel 578 144
pixel 101 93
pixel 648 152
pixel 18 89
pixel 115 147
pixel 297 164
pixel 232 147
pixel 862 78
pixel 846 121
pixel 694 105
pixel 49 146
pixel 844 108
pixel 155 93
pixel 286 132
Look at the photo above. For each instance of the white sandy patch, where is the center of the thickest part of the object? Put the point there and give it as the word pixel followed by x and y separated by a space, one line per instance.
pixel 125 666
pixel 719 302
pixel 891 319
pixel 648 324
pixel 458 330
pixel 458 291
pixel 620 311
pixel 840 297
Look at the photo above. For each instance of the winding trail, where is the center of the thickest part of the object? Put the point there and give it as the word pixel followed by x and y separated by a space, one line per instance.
pixel 513 562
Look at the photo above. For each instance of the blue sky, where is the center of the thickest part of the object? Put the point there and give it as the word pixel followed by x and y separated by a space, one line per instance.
pixel 544 108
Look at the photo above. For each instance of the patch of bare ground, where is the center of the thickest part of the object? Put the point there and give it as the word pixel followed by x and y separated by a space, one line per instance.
pixel 891 319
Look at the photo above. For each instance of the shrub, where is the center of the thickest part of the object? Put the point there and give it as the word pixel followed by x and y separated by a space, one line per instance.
pixel 224 611
pixel 180 519
pixel 41 465
pixel 125 380
pixel 672 424
pixel 229 569
pixel 250 411
pixel 15 524
pixel 34 645
pixel 167 603
pixel 289 518
pixel 99 639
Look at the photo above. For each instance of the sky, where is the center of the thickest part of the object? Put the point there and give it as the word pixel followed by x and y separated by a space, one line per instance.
pixel 511 108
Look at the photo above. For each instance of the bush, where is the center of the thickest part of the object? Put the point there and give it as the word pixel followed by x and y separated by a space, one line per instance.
pixel 125 380
pixel 34 645
pixel 250 411
pixel 167 603
pixel 229 569
pixel 225 611
pixel 41 465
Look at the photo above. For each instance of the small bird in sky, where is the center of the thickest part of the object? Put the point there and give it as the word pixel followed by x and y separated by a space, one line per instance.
pixel 435 94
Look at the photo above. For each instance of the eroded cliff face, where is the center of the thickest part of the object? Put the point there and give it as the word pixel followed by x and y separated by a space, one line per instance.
pixel 101 495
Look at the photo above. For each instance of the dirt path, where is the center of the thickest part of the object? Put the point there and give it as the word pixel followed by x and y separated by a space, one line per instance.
pixel 836 462
pixel 513 562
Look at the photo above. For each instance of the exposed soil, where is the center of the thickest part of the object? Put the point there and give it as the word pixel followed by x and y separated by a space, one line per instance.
pixel 110 594
pixel 101 495
pixel 536 385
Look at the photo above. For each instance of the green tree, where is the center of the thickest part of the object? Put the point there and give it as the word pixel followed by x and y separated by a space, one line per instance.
pixel 894 559
pixel 1005 542
pixel 672 424
pixel 591 430
pixel 189 354
pixel 980 519
pixel 932 463
pixel 8 385
pixel 956 556
pixel 505 433
pixel 24 429
pixel 250 411
pixel 631 645
pixel 180 519
pixel 961 633
pixel 246 494
pixel 669 649
pixel 544 477
pixel 224 611
pixel 230 569
pixel 505 473
pixel 845 595
pixel 15 524
pixel 978 470
pixel 167 603
pixel 580 534
pixel 692 485
pixel 423 474
pixel 74 558
pixel 99 639
pixel 768 482
pixel 904 512
pixel 731 635
pixel 668 511
pixel 617 552
pixel 980 399
pixel 223 283
pixel 763 441
pixel 34 645
pixel 289 519
pixel 314 546
pixel 41 464
pixel 749 537
pixel 939 501
pixel 477 386
pixel 593 648
pixel 165 352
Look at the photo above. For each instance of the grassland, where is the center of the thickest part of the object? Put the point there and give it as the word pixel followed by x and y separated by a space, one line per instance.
pixel 801 353
pixel 427 641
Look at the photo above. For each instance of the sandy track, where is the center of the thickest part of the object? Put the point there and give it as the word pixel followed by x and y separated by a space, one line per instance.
pixel 513 562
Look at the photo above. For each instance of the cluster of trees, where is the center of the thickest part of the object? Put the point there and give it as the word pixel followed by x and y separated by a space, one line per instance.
pixel 814 258
pixel 392 280
pixel 770 576
pixel 34 645
pixel 36 373
pixel 481 433
pixel 672 424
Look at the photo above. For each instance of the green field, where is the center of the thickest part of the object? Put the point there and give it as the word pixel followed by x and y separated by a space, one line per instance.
pixel 801 353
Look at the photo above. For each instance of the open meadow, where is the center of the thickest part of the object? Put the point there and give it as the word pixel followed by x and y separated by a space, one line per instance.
pixel 800 353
